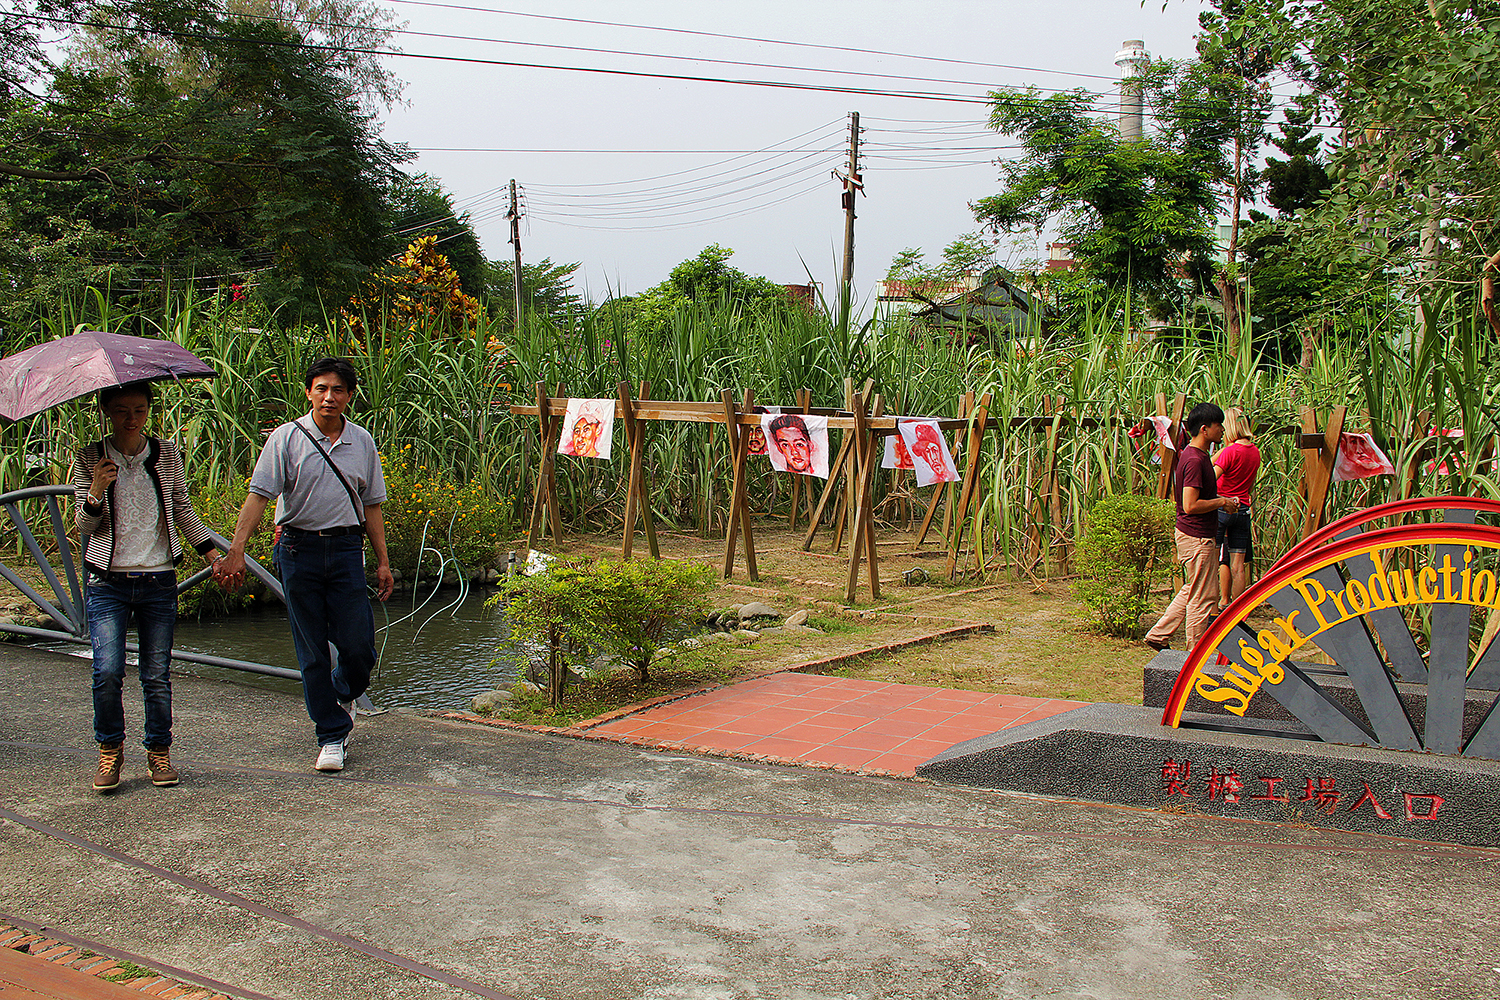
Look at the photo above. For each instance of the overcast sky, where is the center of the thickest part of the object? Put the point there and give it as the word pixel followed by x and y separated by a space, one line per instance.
pixel 631 175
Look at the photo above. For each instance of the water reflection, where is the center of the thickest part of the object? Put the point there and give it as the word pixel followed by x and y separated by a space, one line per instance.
pixel 437 658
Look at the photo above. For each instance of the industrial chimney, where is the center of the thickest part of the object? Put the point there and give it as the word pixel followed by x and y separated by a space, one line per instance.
pixel 1131 59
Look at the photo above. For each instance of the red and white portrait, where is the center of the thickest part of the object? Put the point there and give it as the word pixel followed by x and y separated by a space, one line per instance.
pixel 797 442
pixel 896 455
pixel 587 428
pixel 1360 457
pixel 931 460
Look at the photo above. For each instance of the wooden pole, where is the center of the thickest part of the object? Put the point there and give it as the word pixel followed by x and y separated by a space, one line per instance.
pixel 739 514
pixel 515 238
pixel 851 188
pixel 970 481
pixel 834 471
pixel 544 503
pixel 633 434
pixel 867 477
pixel 1167 455
pixel 1318 463
pixel 858 511
pixel 644 483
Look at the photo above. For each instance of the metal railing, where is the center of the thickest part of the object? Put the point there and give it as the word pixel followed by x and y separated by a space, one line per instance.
pixel 67 607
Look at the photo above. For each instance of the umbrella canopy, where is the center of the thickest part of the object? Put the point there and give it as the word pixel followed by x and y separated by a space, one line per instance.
pixel 50 374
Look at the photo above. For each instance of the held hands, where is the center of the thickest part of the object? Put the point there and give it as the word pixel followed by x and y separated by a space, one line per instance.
pixel 229 571
pixel 1231 504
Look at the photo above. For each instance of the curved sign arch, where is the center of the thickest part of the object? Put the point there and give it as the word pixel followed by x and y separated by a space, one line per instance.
pixel 1391 608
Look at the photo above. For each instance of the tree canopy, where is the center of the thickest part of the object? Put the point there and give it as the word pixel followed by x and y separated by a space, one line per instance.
pixel 705 280
pixel 1137 213
pixel 265 166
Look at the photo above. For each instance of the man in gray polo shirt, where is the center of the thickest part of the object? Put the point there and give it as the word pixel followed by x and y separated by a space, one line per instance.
pixel 324 516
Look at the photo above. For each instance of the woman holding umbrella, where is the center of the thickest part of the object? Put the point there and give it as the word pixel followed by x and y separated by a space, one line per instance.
pixel 132 501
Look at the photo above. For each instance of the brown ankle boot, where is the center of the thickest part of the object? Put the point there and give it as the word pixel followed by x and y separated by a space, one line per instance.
pixel 111 756
pixel 162 773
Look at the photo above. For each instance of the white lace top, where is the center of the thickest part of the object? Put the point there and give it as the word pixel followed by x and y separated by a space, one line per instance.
pixel 141 544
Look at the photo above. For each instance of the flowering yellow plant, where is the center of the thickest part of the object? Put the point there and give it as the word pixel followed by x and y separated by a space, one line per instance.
pixel 416 290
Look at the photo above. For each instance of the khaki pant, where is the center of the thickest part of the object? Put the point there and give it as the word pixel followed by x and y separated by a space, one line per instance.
pixel 1199 597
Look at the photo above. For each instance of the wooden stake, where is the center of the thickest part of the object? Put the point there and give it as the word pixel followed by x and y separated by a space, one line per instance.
pixel 834 471
pixel 857 538
pixel 644 483
pixel 1318 465
pixel 543 469
pixel 633 435
pixel 739 515
pixel 970 481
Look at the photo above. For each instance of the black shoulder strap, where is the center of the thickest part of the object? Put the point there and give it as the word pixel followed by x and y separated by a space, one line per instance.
pixel 359 510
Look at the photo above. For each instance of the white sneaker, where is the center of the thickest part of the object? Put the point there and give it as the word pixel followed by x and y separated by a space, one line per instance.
pixel 352 709
pixel 331 757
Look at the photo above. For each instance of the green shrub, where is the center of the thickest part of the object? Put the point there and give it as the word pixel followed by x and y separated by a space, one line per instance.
pixel 1126 539
pixel 573 612
pixel 643 603
pixel 465 520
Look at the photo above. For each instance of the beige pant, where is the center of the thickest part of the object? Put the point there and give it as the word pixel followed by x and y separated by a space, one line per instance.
pixel 1199 596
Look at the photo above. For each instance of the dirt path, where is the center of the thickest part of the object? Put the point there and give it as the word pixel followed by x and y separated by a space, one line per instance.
pixel 1039 646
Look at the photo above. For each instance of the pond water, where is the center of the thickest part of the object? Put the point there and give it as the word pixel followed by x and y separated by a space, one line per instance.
pixel 437 656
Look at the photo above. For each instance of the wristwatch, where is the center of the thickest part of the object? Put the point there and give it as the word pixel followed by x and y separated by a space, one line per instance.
pixel 95 501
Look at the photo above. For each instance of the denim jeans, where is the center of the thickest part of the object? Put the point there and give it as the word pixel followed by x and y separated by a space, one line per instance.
pixel 152 600
pixel 326 601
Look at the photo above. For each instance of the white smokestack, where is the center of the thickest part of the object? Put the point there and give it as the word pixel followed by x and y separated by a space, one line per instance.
pixel 1131 59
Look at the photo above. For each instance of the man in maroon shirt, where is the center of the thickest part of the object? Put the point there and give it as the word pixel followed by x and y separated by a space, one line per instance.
pixel 1196 489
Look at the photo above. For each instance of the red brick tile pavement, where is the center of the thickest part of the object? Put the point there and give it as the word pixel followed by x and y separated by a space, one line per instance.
pixel 831 721
pixel 62 973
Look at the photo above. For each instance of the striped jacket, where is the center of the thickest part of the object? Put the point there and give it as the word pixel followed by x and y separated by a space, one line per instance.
pixel 96 525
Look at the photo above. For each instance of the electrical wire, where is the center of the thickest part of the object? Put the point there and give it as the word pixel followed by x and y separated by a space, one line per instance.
pixel 747 38
pixel 689 225
pixel 516 64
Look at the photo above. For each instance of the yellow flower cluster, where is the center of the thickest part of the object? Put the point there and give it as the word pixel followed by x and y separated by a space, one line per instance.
pixel 421 501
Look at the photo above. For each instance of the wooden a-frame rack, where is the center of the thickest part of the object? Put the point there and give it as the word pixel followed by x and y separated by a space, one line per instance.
pixel 865 426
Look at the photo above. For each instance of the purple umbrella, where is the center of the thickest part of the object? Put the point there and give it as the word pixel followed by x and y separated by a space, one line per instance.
pixel 49 374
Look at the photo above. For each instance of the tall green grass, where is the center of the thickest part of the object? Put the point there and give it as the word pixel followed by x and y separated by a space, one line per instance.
pixel 447 398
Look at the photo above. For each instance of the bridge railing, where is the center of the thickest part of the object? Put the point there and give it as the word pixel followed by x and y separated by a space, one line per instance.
pixel 66 606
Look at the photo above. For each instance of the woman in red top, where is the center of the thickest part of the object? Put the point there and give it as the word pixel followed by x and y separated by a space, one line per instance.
pixel 1236 465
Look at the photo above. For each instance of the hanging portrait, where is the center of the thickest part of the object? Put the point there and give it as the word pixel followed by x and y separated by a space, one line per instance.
pixel 587 428
pixel 931 460
pixel 797 442
pixel 896 456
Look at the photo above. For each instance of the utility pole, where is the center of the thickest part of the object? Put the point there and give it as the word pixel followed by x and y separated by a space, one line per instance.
pixel 853 184
pixel 515 241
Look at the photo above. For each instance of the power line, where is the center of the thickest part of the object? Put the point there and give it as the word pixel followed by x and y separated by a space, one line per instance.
pixel 513 64
pixel 815 186
pixel 747 38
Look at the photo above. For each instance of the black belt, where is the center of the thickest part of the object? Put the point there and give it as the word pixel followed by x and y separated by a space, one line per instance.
pixel 348 529
pixel 114 577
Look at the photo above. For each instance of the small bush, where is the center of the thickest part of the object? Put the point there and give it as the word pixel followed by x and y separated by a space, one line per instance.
pixel 572 612
pixel 1125 541
pixel 643 603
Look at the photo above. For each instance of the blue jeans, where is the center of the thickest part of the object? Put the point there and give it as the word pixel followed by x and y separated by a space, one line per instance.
pixel 326 601
pixel 152 599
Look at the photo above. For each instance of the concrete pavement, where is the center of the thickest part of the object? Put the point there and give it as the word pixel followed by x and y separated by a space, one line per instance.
pixel 452 860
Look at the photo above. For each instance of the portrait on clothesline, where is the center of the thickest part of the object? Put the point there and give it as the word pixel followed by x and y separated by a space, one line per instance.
pixel 587 428
pixel 896 456
pixel 755 437
pixel 797 442
pixel 931 460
